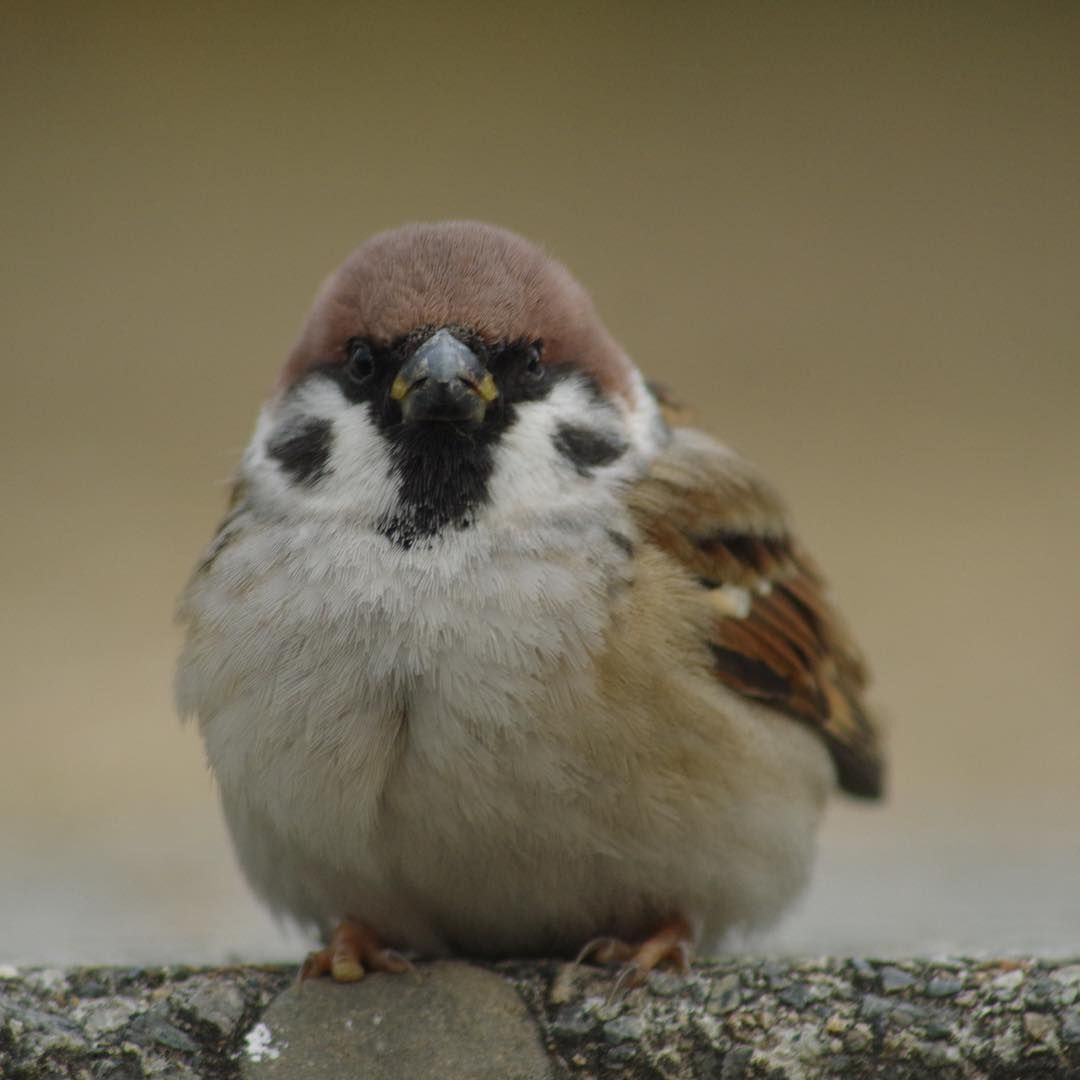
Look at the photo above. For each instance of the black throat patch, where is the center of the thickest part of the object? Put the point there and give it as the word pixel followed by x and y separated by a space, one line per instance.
pixel 443 470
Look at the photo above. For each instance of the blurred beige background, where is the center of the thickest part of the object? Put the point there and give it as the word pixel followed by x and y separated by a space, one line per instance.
pixel 850 233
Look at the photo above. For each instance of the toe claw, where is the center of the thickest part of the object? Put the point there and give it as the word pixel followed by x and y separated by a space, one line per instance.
pixel 671 946
pixel 604 950
pixel 314 965
pixel 591 949
pixel 392 961
pixel 629 978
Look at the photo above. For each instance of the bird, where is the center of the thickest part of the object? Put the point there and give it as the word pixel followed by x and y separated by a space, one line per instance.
pixel 496 655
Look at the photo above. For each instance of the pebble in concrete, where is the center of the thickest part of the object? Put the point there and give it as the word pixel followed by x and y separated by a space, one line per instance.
pixel 450 1020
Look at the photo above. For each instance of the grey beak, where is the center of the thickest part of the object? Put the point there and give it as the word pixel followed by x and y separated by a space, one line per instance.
pixel 443 380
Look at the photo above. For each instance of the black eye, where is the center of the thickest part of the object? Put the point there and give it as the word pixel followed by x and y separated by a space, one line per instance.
pixel 534 369
pixel 359 362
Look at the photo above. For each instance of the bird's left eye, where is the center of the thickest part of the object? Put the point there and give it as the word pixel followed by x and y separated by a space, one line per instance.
pixel 359 361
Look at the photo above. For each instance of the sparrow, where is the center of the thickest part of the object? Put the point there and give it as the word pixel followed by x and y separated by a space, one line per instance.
pixel 493 655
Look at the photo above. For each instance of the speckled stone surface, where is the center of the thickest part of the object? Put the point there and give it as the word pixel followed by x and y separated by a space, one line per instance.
pixel 746 1017
pixel 738 1017
pixel 118 1023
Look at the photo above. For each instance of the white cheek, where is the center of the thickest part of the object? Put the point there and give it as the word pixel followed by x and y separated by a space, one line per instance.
pixel 358 483
pixel 532 477
pixel 526 467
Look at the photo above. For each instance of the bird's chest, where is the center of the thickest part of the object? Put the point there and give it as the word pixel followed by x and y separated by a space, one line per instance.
pixel 352 665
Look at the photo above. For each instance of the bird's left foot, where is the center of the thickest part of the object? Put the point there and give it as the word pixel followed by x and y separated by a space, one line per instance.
pixel 352 950
pixel 671 946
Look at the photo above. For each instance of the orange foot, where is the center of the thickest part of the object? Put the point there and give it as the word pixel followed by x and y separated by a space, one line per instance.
pixel 671 946
pixel 353 949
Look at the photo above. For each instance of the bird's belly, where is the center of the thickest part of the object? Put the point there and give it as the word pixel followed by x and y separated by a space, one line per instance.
pixel 504 839
pixel 449 826
pixel 453 834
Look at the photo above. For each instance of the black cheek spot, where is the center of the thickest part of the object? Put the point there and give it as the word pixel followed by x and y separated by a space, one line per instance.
pixel 586 448
pixel 304 452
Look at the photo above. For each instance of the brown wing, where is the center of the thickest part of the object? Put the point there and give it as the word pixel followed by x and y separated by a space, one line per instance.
pixel 775 637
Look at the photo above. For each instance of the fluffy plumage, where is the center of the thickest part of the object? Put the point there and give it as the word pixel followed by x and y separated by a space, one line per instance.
pixel 500 687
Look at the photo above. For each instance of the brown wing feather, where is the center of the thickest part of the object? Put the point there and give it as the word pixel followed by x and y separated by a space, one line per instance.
pixel 774 636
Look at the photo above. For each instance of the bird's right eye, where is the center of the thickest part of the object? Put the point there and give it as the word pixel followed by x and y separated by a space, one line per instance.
pixel 359 362
pixel 534 369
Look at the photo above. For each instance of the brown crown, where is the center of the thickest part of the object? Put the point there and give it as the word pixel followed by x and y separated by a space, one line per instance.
pixel 458 273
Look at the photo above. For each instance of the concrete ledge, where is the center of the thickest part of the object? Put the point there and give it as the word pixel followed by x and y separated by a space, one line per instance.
pixel 738 1017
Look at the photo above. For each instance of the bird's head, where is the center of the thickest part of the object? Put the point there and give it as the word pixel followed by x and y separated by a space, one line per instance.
pixel 446 372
